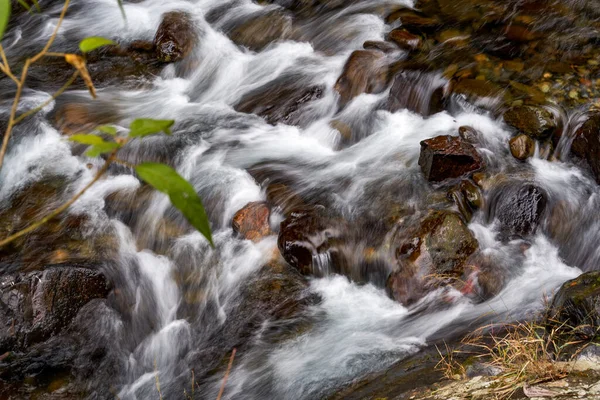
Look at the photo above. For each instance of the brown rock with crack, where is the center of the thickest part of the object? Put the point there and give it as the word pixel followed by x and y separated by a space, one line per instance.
pixel 252 221
pixel 522 147
pixel 448 157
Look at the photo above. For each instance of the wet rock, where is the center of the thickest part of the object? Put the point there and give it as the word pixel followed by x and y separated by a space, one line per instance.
pixel 364 72
pixel 438 249
pixel 475 88
pixel 411 19
pixel 307 241
pixel 260 30
pixel 448 157
pixel 176 36
pixel 404 39
pixel 385 47
pixel 252 221
pixel 468 198
pixel 522 147
pixel 586 144
pixel 418 92
pixel 519 208
pixel 468 134
pixel 72 118
pixel 37 305
pixel 575 308
pixel 533 121
pixel 282 101
pixel 284 198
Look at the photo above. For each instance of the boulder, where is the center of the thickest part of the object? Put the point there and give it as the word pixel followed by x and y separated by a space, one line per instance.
pixel 519 208
pixel 535 122
pixel 418 92
pixel 307 241
pixel 404 39
pixel 252 221
pixel 575 308
pixel 281 101
pixel 262 29
pixel 365 72
pixel 35 306
pixel 586 143
pixel 448 157
pixel 522 147
pixel 427 256
pixel 176 37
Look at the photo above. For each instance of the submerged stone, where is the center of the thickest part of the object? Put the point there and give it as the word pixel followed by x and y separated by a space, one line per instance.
pixel 522 147
pixel 364 72
pixel 176 36
pixel 586 144
pixel 252 221
pixel 259 31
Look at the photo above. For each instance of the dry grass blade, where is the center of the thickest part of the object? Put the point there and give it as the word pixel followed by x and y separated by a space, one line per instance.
pixel 79 63
pixel 226 374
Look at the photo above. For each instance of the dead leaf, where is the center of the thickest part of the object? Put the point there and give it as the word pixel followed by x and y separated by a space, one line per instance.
pixel 79 63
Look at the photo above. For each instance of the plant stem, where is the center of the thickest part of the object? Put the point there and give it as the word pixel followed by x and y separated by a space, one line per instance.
pixel 226 374
pixel 62 208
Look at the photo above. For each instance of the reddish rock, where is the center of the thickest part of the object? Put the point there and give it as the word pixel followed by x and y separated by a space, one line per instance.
pixel 365 72
pixel 404 39
pixel 522 147
pixel 252 221
pixel 176 37
pixel 448 157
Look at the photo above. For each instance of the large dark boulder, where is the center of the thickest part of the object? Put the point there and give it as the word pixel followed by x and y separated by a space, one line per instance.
pixel 518 208
pixel 575 308
pixel 535 122
pixel 586 143
pixel 176 36
pixel 37 305
pixel 448 157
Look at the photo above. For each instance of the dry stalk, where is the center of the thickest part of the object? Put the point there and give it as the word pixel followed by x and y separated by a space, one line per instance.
pixel 226 374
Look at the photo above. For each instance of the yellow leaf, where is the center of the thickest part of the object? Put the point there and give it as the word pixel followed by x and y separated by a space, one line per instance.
pixel 79 63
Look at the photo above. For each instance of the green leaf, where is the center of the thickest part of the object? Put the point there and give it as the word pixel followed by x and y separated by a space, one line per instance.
pixel 93 42
pixel 145 126
pixel 4 15
pixel 182 194
pixel 110 130
pixel 87 139
pixel 102 148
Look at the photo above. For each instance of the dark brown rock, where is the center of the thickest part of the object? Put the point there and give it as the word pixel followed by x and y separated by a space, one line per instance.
pixel 281 101
pixel 176 36
pixel 37 305
pixel 414 91
pixel 522 147
pixel 260 30
pixel 448 157
pixel 306 238
pixel 468 134
pixel 385 47
pixel 413 20
pixel 435 251
pixel 536 122
pixel 364 72
pixel 519 208
pixel 586 143
pixel 475 88
pixel 252 221
pixel 404 39
pixel 575 309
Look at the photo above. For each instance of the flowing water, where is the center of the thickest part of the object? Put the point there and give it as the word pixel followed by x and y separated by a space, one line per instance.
pixel 351 329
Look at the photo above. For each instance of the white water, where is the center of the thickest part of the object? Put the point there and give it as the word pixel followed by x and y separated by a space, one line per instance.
pixel 357 329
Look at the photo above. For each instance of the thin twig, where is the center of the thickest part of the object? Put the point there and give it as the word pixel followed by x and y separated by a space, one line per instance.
pixel 226 374
pixel 5 67
pixel 62 208
pixel 50 100
pixel 157 381
pixel 53 37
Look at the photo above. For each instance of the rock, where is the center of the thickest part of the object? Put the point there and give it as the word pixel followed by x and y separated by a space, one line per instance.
pixel 468 134
pixel 72 118
pixel 37 305
pixel 586 144
pixel 260 30
pixel 307 241
pixel 176 36
pixel 252 221
pixel 284 198
pixel 437 249
pixel 281 101
pixel 468 198
pixel 519 208
pixel 418 92
pixel 404 39
pixel 536 122
pixel 474 88
pixel 411 19
pixel 448 157
pixel 575 308
pixel 364 72
pixel 522 147
pixel 385 47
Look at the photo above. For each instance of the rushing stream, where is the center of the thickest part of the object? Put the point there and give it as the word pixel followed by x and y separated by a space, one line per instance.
pixel 180 307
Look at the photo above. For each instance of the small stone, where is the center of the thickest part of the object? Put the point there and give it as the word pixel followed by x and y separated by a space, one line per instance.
pixel 522 147
pixel 448 157
pixel 404 39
